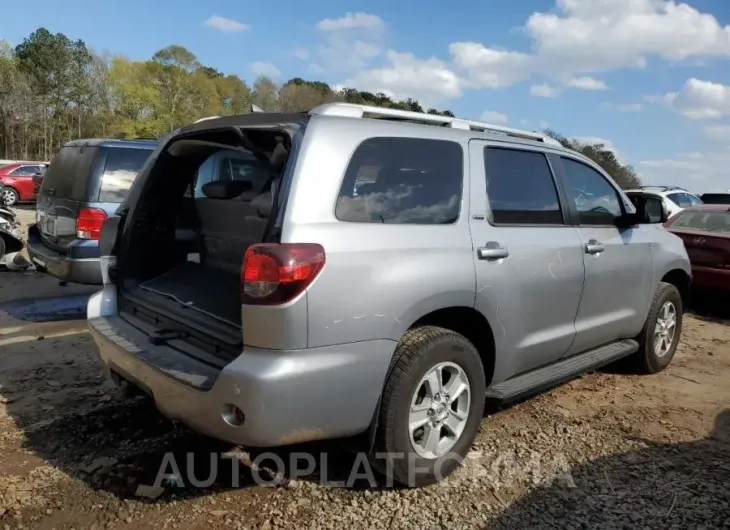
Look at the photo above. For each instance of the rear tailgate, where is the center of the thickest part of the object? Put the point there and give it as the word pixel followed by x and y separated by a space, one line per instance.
pixel 64 189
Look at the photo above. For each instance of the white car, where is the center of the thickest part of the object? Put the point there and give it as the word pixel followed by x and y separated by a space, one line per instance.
pixel 675 199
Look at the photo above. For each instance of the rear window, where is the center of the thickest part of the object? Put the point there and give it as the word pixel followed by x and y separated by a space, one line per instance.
pixel 403 181
pixel 717 222
pixel 121 168
pixel 684 200
pixel 58 180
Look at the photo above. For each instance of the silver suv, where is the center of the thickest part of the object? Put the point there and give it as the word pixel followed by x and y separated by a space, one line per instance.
pixel 379 273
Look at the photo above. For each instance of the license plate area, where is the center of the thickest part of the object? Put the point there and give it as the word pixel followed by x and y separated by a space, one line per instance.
pixel 48 226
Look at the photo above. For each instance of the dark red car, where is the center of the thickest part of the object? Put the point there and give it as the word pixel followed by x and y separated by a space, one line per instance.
pixel 17 181
pixel 705 230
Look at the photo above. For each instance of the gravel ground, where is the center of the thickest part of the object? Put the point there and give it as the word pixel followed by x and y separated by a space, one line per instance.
pixel 608 450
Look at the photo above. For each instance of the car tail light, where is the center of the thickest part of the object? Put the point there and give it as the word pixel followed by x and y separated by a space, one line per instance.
pixel 274 273
pixel 89 222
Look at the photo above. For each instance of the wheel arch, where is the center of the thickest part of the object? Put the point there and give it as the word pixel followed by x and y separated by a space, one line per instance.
pixel 681 279
pixel 464 320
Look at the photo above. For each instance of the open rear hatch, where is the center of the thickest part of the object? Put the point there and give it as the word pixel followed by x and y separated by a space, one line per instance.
pixel 211 193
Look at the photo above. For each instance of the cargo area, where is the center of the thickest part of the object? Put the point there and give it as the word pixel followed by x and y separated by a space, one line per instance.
pixel 207 198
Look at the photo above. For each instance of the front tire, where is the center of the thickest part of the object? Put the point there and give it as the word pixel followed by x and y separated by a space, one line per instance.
pixel 431 408
pixel 10 195
pixel 660 337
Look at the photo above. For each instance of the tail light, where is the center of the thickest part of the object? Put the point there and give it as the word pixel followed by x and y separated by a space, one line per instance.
pixel 274 273
pixel 89 222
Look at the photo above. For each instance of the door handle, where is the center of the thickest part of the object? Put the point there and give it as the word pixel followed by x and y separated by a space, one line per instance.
pixel 594 247
pixel 492 252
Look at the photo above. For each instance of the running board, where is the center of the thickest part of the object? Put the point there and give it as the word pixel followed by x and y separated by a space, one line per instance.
pixel 554 374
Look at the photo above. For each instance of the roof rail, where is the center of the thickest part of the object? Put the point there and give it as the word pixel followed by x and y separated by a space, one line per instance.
pixel 206 118
pixel 663 188
pixel 351 110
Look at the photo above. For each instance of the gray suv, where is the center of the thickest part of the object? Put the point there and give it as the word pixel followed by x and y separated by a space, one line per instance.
pixel 376 274
pixel 84 184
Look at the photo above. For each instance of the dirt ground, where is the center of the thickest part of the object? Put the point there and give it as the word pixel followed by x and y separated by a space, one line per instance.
pixel 609 450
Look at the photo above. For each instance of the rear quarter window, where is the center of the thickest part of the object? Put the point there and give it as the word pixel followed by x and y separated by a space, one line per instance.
pixel 121 167
pixel 403 181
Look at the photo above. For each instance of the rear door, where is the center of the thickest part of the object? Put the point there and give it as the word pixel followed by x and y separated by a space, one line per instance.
pixel 528 258
pixel 62 193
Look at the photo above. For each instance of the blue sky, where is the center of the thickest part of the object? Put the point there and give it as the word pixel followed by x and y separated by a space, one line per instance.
pixel 649 77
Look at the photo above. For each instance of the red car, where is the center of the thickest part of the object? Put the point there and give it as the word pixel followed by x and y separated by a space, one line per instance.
pixel 17 181
pixel 705 230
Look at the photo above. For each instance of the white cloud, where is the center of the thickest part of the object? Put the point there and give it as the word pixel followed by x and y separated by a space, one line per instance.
pixel 428 80
pixel 490 68
pixel 587 83
pixel 544 91
pixel 351 21
pixel 591 35
pixel 699 171
pixel 301 53
pixel 265 68
pixel 718 133
pixel 569 43
pixel 492 116
pixel 351 42
pixel 226 25
pixel 624 107
pixel 703 100
pixel 667 98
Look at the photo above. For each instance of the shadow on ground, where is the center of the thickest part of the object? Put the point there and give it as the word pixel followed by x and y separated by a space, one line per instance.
pixel 71 416
pixel 54 309
pixel 684 485
pixel 711 307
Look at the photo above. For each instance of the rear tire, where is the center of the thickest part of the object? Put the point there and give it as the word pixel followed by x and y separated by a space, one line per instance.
pixel 431 408
pixel 659 339
pixel 11 196
pixel 2 248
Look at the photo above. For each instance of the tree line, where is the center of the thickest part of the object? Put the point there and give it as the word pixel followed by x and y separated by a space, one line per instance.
pixel 54 89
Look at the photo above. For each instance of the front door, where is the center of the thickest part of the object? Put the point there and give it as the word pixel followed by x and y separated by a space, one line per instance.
pixel 618 263
pixel 529 260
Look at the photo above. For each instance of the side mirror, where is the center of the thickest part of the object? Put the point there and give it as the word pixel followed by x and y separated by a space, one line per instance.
pixel 649 210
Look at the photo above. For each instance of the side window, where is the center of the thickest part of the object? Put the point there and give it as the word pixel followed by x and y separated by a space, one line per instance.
pixel 521 188
pixel 596 200
pixel 403 181
pixel 121 168
pixel 233 166
pixel 23 170
pixel 203 176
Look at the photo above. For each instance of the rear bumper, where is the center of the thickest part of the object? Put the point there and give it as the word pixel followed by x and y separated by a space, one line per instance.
pixel 287 397
pixel 85 270
pixel 707 278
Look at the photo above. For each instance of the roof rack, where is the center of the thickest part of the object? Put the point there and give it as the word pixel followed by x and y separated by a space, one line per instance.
pixel 351 110
pixel 663 188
